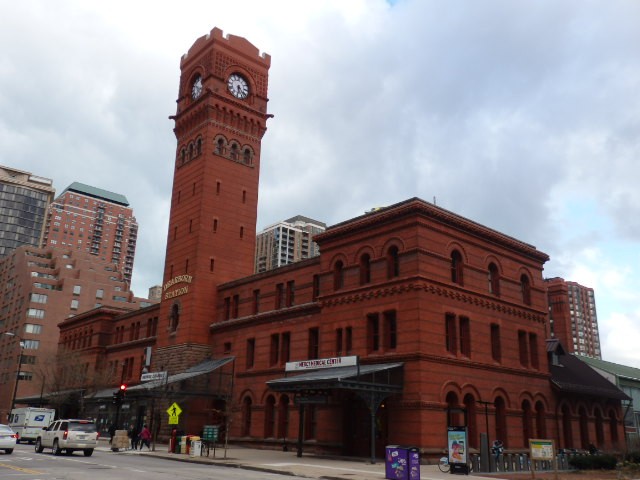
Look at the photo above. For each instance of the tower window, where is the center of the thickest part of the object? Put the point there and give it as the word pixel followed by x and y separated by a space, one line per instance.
pixel 494 280
pixel 365 269
pixel 246 157
pixel 218 187
pixel 244 196
pixel 525 288
pixel 211 264
pixel 215 225
pixel 198 146
pixel 220 147
pixel 234 152
pixel 241 232
pixel 190 226
pixel 456 267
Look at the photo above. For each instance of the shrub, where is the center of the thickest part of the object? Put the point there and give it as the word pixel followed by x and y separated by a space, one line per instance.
pixel 593 462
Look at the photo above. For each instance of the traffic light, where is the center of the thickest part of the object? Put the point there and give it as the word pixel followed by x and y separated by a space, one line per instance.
pixel 118 395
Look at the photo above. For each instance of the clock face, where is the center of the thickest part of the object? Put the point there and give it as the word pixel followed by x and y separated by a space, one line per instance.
pixel 196 89
pixel 238 86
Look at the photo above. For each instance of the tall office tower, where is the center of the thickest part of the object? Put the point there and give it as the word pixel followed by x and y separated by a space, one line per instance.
pixel 287 242
pixel 95 221
pixel 573 318
pixel 24 199
pixel 41 288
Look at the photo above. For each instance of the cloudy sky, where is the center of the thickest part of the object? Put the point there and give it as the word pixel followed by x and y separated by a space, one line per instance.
pixel 523 116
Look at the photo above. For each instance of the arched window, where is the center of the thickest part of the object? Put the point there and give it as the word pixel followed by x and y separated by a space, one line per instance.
pixel 393 263
pixel 541 425
pixel 269 417
pixel 220 147
pixel 234 152
pixel 365 269
pixel 525 288
pixel 584 428
pixel 183 156
pixel 198 146
pixel 566 427
pixel 190 151
pixel 246 416
pixel 472 420
pixel 494 280
pixel 501 420
pixel 453 410
pixel 613 426
pixel 527 422
pixel 338 275
pixel 175 317
pixel 246 156
pixel 283 417
pixel 599 428
pixel 456 267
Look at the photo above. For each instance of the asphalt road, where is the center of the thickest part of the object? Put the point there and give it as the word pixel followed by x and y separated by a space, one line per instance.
pixel 25 464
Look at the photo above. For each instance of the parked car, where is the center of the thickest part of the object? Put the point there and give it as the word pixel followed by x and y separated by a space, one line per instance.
pixel 69 435
pixel 8 439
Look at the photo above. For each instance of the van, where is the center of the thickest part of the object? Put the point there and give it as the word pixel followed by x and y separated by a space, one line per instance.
pixel 28 422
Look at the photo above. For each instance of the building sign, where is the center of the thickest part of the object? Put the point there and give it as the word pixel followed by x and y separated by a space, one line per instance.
pixel 321 363
pixel 147 377
pixel 176 292
pixel 541 449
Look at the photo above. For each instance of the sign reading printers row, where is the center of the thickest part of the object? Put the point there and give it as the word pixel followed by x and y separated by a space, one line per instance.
pixel 321 363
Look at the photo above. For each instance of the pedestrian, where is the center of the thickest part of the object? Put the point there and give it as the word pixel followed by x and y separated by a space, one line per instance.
pixel 133 436
pixel 112 432
pixel 145 437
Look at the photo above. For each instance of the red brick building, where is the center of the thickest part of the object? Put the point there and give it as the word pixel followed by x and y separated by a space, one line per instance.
pixel 41 288
pixel 447 318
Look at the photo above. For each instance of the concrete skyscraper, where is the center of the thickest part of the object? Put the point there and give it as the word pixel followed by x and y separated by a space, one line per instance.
pixel 573 318
pixel 95 221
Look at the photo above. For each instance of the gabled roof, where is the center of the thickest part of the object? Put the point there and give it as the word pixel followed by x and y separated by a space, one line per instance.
pixel 622 371
pixel 571 375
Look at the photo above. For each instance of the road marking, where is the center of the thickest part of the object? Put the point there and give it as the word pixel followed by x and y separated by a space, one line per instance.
pixel 20 469
pixel 321 466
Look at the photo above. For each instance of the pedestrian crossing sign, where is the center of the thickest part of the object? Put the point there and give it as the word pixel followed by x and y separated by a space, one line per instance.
pixel 174 412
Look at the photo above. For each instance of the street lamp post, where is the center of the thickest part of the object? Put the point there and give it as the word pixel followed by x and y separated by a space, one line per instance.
pixel 15 387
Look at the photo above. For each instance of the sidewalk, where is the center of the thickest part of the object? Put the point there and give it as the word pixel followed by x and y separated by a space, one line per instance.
pixel 287 463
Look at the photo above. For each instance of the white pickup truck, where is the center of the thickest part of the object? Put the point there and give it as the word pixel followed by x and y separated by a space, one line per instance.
pixel 68 435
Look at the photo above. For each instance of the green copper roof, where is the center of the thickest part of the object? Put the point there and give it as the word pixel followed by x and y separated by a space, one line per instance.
pixel 97 193
pixel 621 371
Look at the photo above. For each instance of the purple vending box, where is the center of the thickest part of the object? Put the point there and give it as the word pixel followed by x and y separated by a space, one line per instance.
pixel 395 463
pixel 414 464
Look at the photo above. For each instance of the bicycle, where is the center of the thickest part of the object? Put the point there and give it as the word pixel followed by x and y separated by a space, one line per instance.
pixel 444 465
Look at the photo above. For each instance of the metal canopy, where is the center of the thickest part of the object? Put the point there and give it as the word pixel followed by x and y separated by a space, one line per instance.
pixel 382 378
pixel 372 383
pixel 202 368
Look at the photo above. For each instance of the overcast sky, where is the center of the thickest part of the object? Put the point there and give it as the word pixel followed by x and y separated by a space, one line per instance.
pixel 520 115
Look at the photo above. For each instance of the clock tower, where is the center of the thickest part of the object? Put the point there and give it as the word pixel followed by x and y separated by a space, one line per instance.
pixel 220 120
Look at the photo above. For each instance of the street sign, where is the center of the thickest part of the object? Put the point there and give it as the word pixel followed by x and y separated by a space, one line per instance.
pixel 147 377
pixel 174 412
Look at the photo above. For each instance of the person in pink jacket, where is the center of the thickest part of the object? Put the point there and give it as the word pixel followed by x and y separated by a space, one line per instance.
pixel 145 437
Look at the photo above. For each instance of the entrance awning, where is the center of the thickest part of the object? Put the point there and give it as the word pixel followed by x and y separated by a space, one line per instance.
pixel 381 378
pixel 202 368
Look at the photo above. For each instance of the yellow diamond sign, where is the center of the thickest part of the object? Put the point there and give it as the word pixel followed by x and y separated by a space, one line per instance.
pixel 174 412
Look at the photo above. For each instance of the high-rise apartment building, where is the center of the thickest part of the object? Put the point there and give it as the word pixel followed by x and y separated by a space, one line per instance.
pixel 287 242
pixel 41 287
pixel 572 316
pixel 96 221
pixel 24 199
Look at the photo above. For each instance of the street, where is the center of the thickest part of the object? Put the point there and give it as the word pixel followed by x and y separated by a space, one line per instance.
pixel 25 464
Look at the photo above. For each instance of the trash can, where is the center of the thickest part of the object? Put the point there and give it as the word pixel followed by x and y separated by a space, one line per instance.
pixel 402 463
